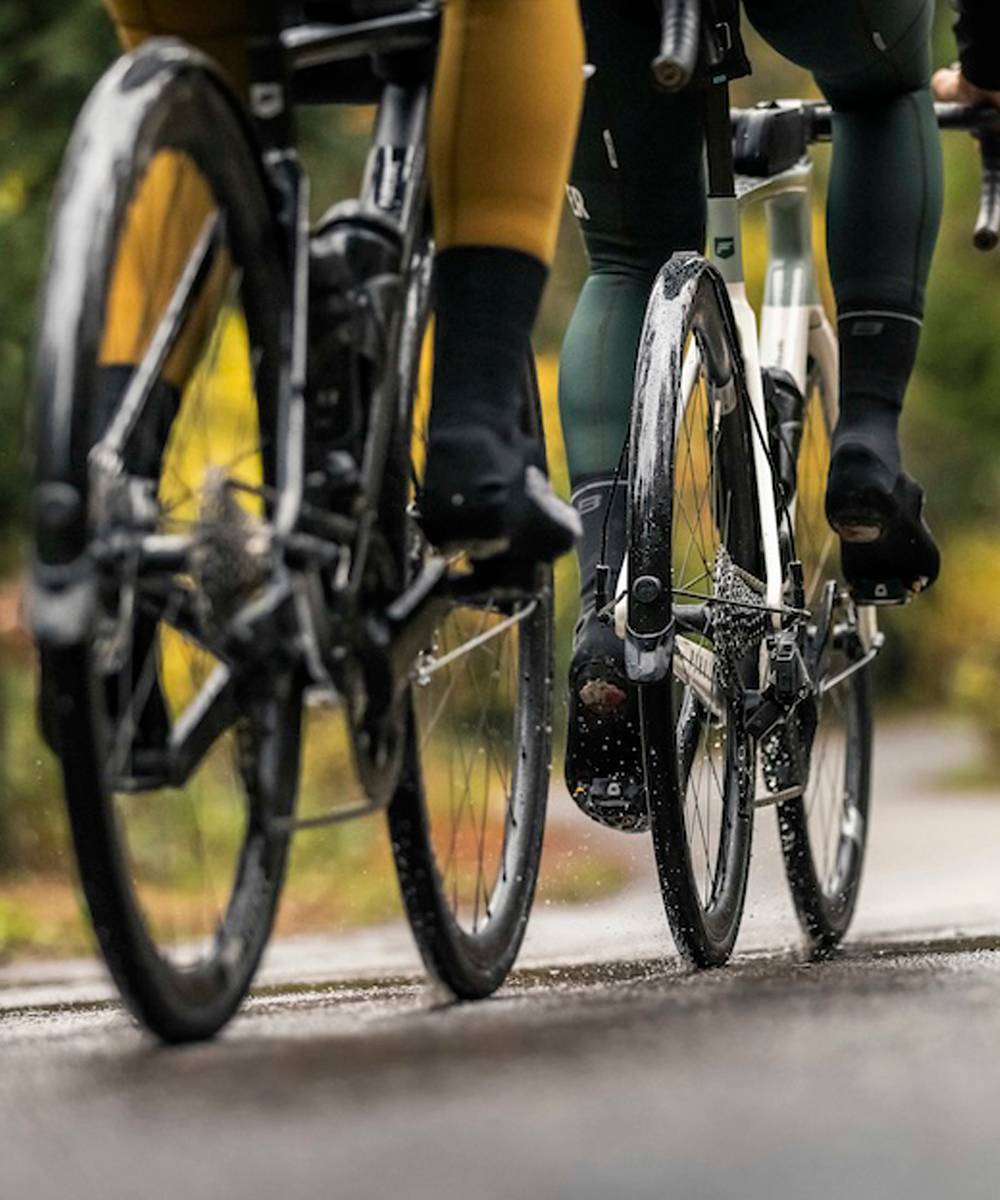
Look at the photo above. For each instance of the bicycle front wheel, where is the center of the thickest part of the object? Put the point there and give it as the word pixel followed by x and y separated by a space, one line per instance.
pixel 695 619
pixel 161 336
pixel 467 820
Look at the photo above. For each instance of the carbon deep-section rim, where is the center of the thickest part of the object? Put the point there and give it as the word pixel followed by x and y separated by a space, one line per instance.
pixel 694 543
pixel 467 824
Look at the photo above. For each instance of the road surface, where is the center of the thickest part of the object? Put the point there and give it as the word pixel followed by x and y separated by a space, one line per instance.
pixel 603 1070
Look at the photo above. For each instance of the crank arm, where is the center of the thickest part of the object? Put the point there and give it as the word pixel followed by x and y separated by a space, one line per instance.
pixel 260 637
pixel 213 712
pixel 411 620
pixel 832 681
pixel 264 630
pixel 824 619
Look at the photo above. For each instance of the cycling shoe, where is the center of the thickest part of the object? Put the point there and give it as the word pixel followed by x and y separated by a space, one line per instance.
pixel 603 743
pixel 490 497
pixel 887 551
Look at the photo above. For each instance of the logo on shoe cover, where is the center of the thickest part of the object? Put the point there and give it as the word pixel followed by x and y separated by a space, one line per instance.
pixel 589 504
pixel 867 328
pixel 725 247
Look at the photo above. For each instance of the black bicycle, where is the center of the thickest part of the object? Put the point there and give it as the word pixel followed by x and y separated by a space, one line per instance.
pixel 750 653
pixel 231 593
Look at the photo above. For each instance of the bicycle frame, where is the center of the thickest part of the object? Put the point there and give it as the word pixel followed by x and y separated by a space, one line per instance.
pixel 394 187
pixel 394 183
pixel 394 190
pixel 794 327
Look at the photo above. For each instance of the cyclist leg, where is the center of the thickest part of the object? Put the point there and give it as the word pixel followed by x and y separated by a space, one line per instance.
pixel 871 58
pixel 505 112
pixel 506 102
pixel 637 190
pixel 218 29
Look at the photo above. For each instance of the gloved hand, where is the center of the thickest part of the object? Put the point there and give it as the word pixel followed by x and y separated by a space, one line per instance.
pixel 950 86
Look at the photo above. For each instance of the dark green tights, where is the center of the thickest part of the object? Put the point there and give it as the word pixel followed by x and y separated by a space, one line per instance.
pixel 638 191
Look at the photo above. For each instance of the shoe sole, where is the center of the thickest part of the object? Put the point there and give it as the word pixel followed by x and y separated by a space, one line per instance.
pixel 602 697
pixel 880 593
pixel 859 531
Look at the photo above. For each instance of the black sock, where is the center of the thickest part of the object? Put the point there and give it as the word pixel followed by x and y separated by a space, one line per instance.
pixel 591 497
pixel 878 348
pixel 486 303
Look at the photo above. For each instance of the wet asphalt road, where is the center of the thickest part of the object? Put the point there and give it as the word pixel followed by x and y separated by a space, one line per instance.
pixel 602 1070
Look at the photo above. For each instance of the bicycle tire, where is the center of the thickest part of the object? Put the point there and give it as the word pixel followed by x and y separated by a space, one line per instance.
pixel 473 961
pixel 823 833
pixel 161 99
pixel 689 306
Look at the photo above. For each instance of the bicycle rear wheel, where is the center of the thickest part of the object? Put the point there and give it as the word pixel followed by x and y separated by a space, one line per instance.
pixel 694 603
pixel 163 308
pixel 824 831
pixel 467 819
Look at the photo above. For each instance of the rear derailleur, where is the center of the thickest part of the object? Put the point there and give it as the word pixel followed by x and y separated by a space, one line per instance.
pixel 782 716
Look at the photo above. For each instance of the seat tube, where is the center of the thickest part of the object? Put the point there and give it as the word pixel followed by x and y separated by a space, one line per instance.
pixel 791 293
pixel 269 80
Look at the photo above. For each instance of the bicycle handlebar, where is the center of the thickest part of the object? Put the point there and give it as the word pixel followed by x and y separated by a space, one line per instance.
pixel 983 122
pixel 674 66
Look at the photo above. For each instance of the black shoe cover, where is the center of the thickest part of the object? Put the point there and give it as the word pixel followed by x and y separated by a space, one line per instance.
pixel 887 551
pixel 603 745
pixel 490 497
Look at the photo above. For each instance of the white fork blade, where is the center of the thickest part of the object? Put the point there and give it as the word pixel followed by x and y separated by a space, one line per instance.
pixel 621 607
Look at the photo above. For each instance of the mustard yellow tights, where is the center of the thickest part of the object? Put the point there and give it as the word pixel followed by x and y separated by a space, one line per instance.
pixel 504 117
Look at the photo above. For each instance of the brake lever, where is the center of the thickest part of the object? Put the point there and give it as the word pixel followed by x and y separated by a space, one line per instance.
pixel 987 234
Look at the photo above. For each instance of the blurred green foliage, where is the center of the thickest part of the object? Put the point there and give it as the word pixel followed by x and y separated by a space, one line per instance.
pixel 50 53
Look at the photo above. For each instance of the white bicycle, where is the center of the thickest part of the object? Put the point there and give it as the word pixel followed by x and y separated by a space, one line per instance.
pixel 750 653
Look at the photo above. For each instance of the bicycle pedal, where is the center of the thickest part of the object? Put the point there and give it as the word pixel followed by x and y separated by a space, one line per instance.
pixel 882 593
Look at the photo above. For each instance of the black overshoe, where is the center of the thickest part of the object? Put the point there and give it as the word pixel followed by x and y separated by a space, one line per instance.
pixel 887 550
pixel 603 742
pixel 490 497
pixel 603 747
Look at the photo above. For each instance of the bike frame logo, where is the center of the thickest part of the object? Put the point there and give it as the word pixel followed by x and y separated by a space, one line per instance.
pixel 725 247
